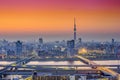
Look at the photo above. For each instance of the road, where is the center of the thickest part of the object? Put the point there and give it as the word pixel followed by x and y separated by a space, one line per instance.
pixel 101 68
pixel 17 63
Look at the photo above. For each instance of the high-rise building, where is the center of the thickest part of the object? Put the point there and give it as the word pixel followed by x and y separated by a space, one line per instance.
pixel 75 30
pixel 71 44
pixel 70 47
pixel 113 41
pixel 18 48
pixel 80 40
pixel 113 48
pixel 40 41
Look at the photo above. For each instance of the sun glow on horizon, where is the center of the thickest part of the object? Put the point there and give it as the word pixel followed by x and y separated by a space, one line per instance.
pixel 23 17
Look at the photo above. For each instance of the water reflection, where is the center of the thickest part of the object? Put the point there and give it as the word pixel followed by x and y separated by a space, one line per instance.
pixel 105 62
pixel 55 63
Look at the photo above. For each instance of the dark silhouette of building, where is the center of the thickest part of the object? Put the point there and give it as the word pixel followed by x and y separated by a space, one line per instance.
pixel 80 40
pixel 113 41
pixel 18 47
pixel 40 41
pixel 10 52
pixel 34 77
pixel 113 50
pixel 71 44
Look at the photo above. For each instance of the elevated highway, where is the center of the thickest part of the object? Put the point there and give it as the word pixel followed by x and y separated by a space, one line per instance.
pixel 38 66
pixel 22 68
pixel 101 68
pixel 53 71
pixel 13 65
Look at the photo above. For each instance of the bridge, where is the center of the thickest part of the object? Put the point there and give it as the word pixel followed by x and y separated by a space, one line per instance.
pixel 101 68
pixel 13 65
pixel 30 66
pixel 53 71
pixel 57 69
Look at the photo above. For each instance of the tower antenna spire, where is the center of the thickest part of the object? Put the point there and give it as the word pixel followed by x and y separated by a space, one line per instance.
pixel 74 21
pixel 74 29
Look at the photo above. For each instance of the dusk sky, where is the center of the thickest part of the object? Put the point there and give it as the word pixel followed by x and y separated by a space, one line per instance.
pixel 53 19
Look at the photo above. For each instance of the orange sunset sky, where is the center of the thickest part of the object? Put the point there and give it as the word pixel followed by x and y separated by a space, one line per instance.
pixel 53 19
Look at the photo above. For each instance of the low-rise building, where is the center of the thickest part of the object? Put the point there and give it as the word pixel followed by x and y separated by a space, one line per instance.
pixel 2 56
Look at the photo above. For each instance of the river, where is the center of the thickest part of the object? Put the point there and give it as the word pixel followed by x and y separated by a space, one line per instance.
pixel 104 62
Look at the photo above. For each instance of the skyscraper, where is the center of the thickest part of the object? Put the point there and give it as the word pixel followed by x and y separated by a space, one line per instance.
pixel 113 41
pixel 18 48
pixel 71 44
pixel 80 40
pixel 40 41
pixel 74 30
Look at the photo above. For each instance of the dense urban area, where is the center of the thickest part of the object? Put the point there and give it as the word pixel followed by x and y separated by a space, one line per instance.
pixel 59 49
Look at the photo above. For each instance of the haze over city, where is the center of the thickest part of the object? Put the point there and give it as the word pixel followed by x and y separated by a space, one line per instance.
pixel 53 19
pixel 59 40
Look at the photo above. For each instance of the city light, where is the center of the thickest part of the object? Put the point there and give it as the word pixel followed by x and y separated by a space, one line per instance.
pixel 82 51
pixel 59 40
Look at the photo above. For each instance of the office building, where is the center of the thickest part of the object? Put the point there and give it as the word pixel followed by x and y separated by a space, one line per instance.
pixel 71 44
pixel 18 48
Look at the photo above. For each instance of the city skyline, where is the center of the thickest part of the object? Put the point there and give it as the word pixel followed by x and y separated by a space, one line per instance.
pixel 53 20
